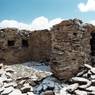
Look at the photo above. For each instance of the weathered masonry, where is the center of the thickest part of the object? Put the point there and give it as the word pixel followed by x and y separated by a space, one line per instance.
pixel 72 46
pixel 18 46
pixel 67 46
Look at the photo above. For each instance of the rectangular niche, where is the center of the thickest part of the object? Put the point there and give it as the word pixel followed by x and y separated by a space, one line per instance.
pixel 11 43
pixel 25 43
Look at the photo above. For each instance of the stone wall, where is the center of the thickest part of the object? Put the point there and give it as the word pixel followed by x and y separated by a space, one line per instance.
pixel 68 45
pixel 70 48
pixel 18 46
pixel 11 47
pixel 41 45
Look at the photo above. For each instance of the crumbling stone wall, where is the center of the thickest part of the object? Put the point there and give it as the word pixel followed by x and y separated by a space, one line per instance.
pixel 11 49
pixel 41 45
pixel 70 48
pixel 18 46
pixel 68 44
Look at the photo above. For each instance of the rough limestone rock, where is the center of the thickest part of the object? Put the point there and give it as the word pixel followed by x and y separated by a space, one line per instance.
pixel 30 93
pixel 26 88
pixel 50 92
pixel 16 92
pixel 21 83
pixel 7 91
pixel 80 84
pixel 70 48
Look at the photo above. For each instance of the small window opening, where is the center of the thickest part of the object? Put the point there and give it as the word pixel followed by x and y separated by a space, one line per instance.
pixel 11 42
pixel 25 43
pixel 75 34
pixel 57 28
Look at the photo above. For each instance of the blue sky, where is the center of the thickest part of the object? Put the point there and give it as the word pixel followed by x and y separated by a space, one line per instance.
pixel 26 11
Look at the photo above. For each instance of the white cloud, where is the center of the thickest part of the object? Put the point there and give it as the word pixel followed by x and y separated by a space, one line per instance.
pixel 13 24
pixel 40 23
pixel 54 21
pixel 92 22
pixel 37 24
pixel 89 6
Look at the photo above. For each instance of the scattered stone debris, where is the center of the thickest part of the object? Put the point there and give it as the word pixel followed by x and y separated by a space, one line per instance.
pixel 72 44
pixel 82 84
pixel 29 81
pixel 49 93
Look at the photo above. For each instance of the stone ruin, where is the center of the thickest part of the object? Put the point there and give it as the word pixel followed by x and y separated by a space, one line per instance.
pixel 18 46
pixel 70 48
pixel 66 47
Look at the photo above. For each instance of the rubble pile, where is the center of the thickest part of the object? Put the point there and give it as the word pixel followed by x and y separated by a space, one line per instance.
pixel 82 84
pixel 49 86
pixel 15 81
pixel 11 86
pixel 70 48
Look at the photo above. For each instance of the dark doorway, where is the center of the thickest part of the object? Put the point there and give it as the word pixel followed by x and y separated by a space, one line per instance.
pixel 25 43
pixel 2 60
pixel 11 42
pixel 92 43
